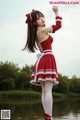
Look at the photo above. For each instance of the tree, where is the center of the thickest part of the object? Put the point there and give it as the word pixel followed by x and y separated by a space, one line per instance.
pixel 23 81
pixel 63 85
pixel 8 75
pixel 75 84
pixel 7 84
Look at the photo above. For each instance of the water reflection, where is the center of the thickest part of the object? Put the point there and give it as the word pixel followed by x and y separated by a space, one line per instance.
pixel 32 110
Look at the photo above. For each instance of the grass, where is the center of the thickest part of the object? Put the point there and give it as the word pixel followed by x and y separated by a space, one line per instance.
pixel 18 94
pixel 29 95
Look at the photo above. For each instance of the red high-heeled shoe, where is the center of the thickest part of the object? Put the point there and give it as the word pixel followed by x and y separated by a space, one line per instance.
pixel 47 117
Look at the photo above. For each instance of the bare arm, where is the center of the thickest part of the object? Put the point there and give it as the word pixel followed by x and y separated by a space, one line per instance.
pixel 55 27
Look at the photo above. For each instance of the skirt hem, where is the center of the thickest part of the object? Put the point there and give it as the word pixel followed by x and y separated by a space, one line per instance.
pixel 55 82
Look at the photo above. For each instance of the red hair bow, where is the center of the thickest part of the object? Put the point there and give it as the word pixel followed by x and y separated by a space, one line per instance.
pixel 29 18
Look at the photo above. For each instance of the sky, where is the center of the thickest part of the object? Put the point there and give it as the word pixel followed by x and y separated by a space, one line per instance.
pixel 13 33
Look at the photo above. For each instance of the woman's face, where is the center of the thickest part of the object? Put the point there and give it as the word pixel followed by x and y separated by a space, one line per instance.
pixel 40 22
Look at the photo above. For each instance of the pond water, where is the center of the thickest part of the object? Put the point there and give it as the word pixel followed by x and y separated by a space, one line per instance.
pixel 32 110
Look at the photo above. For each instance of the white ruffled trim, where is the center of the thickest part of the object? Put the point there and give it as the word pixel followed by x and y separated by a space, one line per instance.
pixel 58 20
pixel 34 82
pixel 47 72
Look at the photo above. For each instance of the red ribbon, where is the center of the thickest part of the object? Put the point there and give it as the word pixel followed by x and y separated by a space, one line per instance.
pixel 29 17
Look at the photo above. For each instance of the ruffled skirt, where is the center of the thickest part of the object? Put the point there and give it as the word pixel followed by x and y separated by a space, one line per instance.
pixel 45 69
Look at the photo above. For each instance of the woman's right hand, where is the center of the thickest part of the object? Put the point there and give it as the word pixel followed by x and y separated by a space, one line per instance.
pixel 55 9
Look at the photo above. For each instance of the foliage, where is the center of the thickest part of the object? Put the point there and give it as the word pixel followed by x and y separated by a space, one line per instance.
pixel 14 78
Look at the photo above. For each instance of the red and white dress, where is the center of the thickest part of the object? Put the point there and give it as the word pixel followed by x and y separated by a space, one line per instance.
pixel 45 68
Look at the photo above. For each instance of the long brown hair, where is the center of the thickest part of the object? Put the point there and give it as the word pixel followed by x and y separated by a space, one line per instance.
pixel 31 37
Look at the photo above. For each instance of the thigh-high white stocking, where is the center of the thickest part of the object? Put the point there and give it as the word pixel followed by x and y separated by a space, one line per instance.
pixel 47 100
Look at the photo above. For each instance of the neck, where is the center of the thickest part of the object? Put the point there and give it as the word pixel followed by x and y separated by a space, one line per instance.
pixel 40 27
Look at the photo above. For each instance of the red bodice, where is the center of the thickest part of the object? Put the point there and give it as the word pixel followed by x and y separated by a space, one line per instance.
pixel 46 44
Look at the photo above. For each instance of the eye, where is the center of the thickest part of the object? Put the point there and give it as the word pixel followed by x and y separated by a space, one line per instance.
pixel 38 17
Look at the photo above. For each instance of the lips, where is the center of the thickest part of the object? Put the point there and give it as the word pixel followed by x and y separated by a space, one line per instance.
pixel 43 22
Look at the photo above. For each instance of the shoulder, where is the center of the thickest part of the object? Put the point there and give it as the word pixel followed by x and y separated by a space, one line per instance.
pixel 44 30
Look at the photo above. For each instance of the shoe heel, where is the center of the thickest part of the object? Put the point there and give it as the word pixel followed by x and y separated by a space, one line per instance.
pixel 47 117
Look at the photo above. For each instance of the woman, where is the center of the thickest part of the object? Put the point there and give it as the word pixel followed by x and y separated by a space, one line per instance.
pixel 44 71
